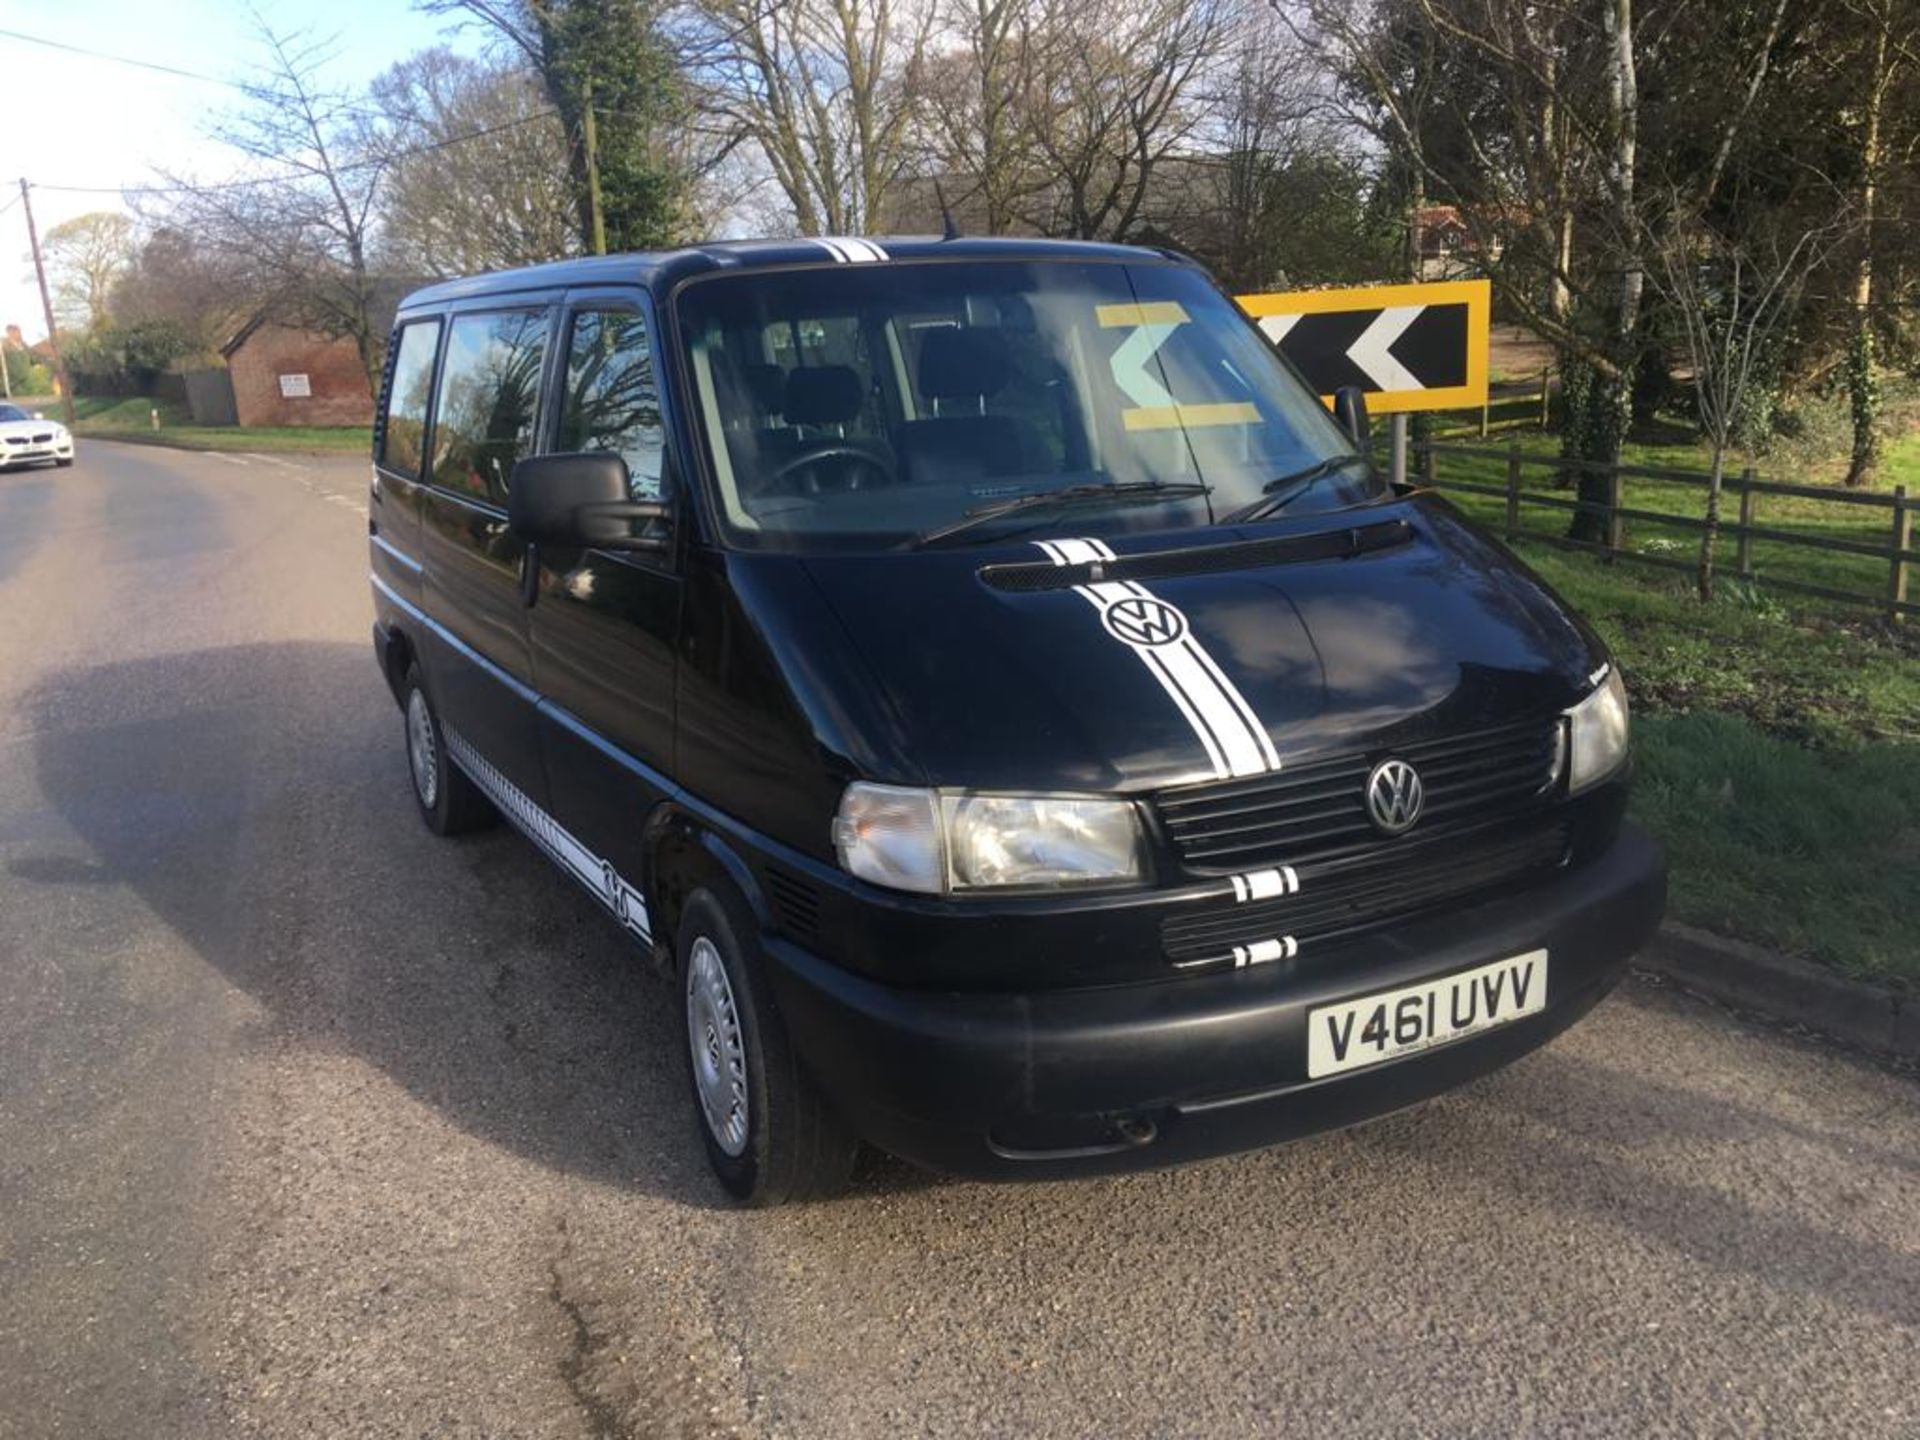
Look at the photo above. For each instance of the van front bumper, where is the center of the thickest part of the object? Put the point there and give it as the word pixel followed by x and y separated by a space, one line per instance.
pixel 1086 1081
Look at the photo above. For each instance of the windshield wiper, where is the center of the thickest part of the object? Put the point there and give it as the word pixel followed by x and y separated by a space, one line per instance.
pixel 1131 493
pixel 1277 494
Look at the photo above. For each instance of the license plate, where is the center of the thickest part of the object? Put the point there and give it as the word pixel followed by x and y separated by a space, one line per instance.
pixel 1418 1017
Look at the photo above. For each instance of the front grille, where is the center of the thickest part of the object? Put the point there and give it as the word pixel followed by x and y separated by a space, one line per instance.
pixel 1317 809
pixel 1348 896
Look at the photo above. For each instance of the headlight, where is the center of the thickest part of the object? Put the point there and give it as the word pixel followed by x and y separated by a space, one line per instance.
pixel 936 842
pixel 1597 734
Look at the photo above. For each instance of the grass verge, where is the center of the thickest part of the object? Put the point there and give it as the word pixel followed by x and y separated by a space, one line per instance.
pixel 1812 852
pixel 132 420
pixel 1779 762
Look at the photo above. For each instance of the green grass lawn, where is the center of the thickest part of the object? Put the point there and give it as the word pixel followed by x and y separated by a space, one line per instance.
pixel 109 419
pixel 1779 760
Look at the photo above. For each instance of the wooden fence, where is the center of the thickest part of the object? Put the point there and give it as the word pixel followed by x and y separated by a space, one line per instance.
pixel 1742 497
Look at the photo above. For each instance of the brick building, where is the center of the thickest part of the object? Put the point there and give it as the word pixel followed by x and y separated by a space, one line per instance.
pixel 283 375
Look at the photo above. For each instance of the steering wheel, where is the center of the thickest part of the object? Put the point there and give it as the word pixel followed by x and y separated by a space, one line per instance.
pixel 871 467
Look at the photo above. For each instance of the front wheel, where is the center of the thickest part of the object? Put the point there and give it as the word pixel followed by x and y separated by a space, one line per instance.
pixel 769 1133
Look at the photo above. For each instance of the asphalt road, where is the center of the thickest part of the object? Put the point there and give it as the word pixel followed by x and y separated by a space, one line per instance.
pixel 311 1124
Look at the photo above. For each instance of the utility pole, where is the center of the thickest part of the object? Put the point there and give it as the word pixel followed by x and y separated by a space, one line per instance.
pixel 589 136
pixel 46 305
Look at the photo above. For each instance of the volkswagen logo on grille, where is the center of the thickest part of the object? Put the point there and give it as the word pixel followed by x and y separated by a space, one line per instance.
pixel 1143 620
pixel 1394 796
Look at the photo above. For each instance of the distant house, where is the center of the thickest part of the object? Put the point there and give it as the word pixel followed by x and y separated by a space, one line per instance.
pixel 285 375
pixel 1449 249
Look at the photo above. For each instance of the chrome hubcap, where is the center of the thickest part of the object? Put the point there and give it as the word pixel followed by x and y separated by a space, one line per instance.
pixel 422 755
pixel 719 1052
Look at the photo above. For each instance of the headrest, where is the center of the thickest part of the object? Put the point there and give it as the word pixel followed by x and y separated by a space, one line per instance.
pixel 767 384
pixel 962 363
pixel 822 395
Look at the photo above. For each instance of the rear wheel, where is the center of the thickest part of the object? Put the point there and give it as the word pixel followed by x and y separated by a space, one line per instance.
pixel 769 1133
pixel 450 803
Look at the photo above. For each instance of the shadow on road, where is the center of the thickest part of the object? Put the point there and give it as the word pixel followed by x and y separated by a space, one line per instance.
pixel 255 799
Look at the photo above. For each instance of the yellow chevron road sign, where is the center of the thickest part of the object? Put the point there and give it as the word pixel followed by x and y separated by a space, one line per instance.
pixel 1409 347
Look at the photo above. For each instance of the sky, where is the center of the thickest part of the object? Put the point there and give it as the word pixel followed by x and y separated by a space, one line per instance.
pixel 72 120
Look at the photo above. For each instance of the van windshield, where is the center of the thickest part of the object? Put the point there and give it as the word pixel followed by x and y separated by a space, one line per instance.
pixel 870 407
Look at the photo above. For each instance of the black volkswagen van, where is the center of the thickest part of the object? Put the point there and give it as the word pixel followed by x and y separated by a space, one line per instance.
pixel 1020 718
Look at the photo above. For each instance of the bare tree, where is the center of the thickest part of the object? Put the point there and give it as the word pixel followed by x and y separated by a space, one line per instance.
pixel 1112 90
pixel 477 168
pixel 1732 297
pixel 86 256
pixel 824 90
pixel 300 231
pixel 179 282
pixel 973 85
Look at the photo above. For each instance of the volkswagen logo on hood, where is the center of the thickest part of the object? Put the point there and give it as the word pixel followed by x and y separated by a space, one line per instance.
pixel 1394 796
pixel 1143 620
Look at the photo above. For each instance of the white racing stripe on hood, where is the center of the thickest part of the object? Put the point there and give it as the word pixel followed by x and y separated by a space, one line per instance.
pixel 1235 741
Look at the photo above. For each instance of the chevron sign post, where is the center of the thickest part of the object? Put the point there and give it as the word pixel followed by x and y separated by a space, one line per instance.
pixel 1409 347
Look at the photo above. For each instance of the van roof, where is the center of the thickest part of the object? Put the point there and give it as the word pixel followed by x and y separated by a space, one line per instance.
pixel 658 269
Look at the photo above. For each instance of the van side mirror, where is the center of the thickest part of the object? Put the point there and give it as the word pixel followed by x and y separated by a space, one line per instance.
pixel 582 501
pixel 1350 412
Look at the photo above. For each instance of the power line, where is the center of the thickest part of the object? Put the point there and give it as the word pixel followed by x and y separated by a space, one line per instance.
pixel 153 65
pixel 354 167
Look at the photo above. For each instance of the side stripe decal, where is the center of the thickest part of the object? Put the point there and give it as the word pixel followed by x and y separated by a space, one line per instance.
pixel 1235 741
pixel 599 877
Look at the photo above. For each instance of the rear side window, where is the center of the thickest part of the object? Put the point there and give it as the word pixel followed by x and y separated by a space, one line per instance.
pixel 489 400
pixel 403 435
pixel 612 401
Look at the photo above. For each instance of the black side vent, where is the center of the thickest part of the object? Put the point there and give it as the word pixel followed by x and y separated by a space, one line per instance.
pixel 1202 560
pixel 796 904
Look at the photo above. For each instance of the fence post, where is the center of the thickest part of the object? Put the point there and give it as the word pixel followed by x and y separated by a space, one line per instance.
pixel 1616 526
pixel 1546 396
pixel 1902 539
pixel 1513 490
pixel 1746 524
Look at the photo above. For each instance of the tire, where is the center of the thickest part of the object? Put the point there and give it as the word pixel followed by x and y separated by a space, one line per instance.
pixel 62 464
pixel 450 803
pixel 788 1145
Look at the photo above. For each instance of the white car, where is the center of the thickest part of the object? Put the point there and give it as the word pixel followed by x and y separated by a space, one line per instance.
pixel 29 438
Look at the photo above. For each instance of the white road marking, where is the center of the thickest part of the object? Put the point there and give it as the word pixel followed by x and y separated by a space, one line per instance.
pixel 273 460
pixel 225 459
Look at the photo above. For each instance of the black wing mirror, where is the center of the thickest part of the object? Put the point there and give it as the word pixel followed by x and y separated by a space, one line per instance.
pixel 1350 412
pixel 581 501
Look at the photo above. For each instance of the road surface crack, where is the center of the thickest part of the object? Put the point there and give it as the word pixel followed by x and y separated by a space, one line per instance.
pixel 584 1345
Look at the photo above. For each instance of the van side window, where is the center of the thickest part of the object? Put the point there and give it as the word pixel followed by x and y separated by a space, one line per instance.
pixel 405 430
pixel 612 401
pixel 489 400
